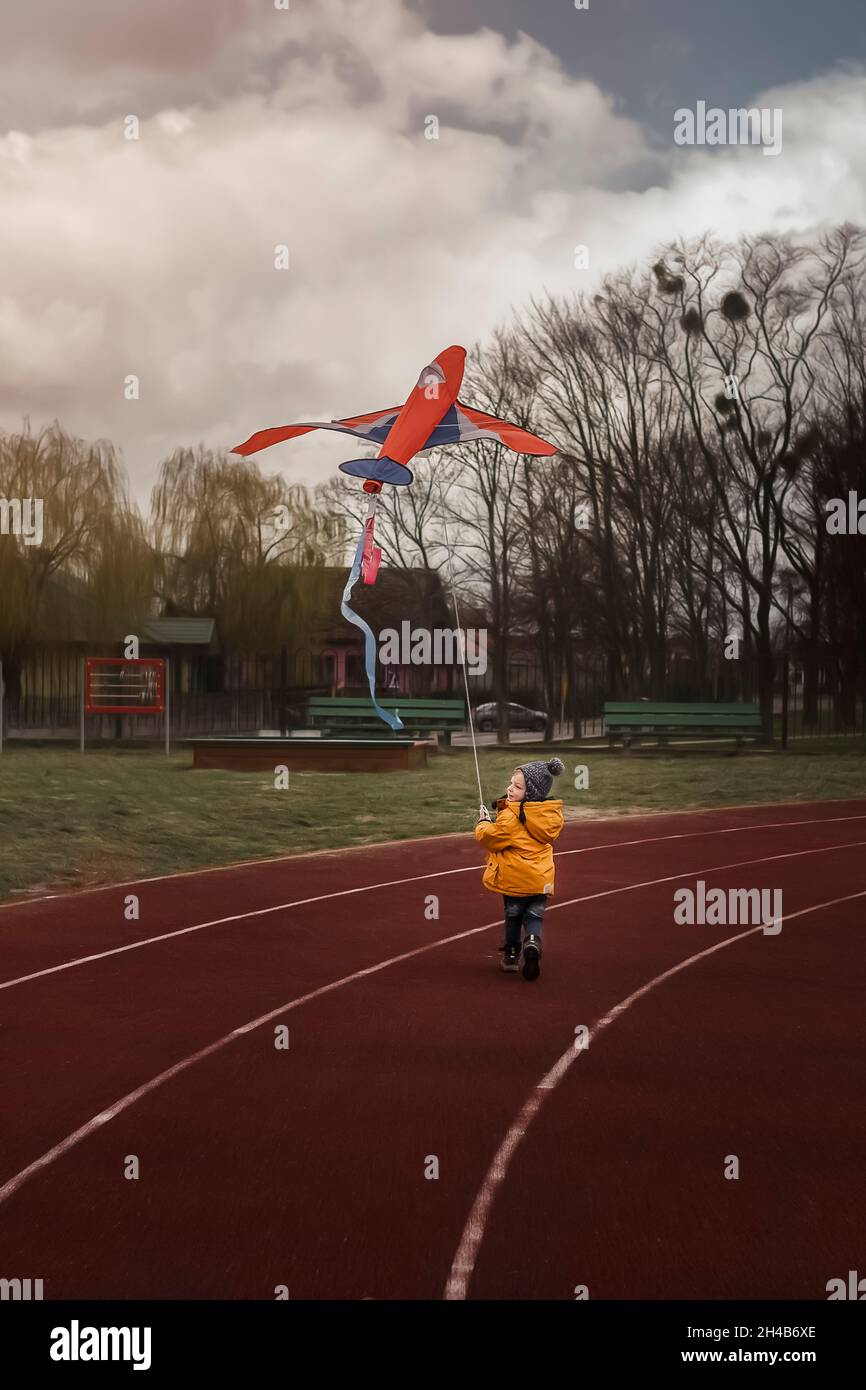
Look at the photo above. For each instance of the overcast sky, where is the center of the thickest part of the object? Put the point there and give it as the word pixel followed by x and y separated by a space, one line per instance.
pixel 306 127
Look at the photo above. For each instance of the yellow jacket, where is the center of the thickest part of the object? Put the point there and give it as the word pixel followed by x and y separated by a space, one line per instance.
pixel 520 855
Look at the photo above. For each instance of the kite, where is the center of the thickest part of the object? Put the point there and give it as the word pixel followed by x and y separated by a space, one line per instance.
pixel 431 418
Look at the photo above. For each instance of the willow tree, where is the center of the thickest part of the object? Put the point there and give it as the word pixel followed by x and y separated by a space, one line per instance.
pixel 237 546
pixel 88 564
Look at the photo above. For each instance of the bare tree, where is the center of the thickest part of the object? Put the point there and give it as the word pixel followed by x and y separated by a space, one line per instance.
pixel 613 410
pixel 749 320
pixel 486 501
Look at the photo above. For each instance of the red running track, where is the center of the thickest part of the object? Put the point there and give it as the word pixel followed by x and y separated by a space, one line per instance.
pixel 557 1168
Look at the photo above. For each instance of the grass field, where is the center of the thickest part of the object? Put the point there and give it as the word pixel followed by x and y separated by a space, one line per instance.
pixel 69 820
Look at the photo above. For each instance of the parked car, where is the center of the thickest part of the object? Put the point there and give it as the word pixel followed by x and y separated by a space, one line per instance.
pixel 519 717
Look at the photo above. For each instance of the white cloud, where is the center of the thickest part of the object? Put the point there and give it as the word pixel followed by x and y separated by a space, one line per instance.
pixel 262 127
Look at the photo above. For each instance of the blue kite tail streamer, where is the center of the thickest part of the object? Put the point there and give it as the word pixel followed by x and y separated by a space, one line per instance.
pixel 369 640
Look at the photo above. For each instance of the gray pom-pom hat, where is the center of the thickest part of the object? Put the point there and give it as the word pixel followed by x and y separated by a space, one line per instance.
pixel 539 778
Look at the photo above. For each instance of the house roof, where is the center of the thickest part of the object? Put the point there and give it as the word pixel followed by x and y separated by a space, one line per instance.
pixel 179 632
pixel 398 594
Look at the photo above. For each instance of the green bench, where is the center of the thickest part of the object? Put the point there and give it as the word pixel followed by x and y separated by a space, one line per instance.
pixel 633 719
pixel 333 713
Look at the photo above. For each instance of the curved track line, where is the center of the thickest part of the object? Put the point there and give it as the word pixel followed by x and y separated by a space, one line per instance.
pixel 466 1257
pixel 454 835
pixel 12 1186
pixel 422 878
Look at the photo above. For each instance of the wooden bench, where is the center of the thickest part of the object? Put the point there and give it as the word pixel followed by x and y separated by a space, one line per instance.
pixel 333 713
pixel 633 719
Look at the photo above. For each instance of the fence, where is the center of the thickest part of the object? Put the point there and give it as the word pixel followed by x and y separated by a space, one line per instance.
pixel 814 703
pixel 817 704
pixel 818 699
pixel 237 711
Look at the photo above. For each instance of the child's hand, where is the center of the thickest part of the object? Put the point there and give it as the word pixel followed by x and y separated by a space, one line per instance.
pixel 484 814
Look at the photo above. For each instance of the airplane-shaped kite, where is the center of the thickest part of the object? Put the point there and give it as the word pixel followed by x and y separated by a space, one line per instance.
pixel 431 418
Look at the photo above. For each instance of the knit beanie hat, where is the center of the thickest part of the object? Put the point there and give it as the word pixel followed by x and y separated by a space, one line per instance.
pixel 539 778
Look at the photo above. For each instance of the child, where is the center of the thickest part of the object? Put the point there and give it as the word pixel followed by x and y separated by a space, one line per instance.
pixel 520 859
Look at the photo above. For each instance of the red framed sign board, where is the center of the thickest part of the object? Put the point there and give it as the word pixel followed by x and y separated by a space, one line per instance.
pixel 124 685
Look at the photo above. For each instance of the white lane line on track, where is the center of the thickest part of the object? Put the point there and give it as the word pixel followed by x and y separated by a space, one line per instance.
pixel 466 1257
pixel 417 878
pixel 424 840
pixel 131 1097
pixel 12 1186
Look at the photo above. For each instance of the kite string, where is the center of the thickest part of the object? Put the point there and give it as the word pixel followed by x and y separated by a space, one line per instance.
pixel 461 644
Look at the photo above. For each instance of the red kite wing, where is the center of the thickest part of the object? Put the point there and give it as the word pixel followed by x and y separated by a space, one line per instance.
pixel 373 426
pixel 483 426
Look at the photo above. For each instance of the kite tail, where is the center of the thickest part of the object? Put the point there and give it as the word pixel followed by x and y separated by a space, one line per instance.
pixel 391 720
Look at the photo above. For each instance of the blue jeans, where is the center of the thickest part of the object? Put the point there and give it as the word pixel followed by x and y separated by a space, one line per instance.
pixel 527 913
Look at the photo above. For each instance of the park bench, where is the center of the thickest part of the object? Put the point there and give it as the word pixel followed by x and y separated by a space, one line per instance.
pixel 634 719
pixel 421 717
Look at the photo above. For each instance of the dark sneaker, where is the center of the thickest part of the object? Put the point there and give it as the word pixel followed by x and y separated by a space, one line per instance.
pixel 510 958
pixel 531 958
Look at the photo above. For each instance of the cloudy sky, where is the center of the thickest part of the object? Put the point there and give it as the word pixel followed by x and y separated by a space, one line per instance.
pixel 305 127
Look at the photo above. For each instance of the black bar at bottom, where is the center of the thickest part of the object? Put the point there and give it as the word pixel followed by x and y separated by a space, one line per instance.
pixel 167 1339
